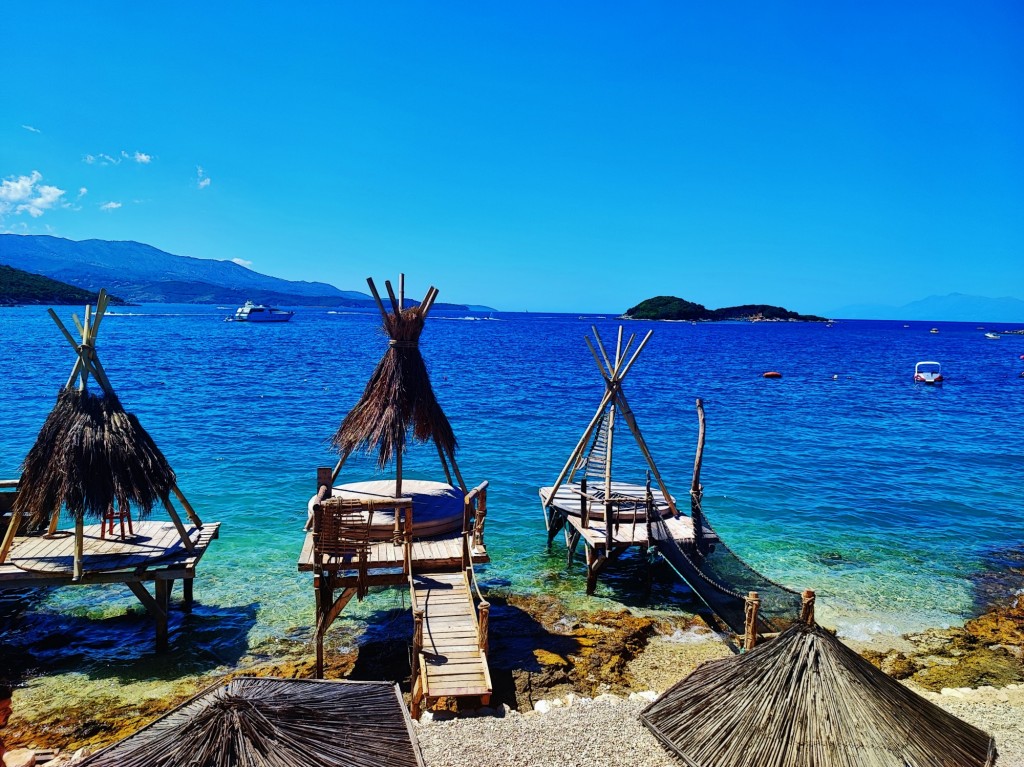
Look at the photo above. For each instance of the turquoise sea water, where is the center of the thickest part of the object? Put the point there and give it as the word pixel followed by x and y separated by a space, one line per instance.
pixel 892 500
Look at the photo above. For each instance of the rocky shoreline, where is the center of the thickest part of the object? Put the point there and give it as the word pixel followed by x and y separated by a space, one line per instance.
pixel 556 671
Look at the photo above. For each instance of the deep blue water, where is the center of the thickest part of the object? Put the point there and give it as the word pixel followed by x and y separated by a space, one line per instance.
pixel 888 498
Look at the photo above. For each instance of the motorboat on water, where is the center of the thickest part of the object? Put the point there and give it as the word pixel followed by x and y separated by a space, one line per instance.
pixel 251 312
pixel 928 372
pixel 934 330
pixel 992 335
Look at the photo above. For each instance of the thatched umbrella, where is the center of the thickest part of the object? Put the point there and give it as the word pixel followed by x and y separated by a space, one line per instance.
pixel 90 453
pixel 398 398
pixel 807 700
pixel 269 722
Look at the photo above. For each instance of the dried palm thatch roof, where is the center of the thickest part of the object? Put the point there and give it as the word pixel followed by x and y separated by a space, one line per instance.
pixel 90 451
pixel 90 454
pixel 269 722
pixel 398 398
pixel 807 700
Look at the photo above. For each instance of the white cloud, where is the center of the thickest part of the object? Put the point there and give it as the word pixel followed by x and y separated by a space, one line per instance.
pixel 25 194
pixel 82 192
pixel 202 180
pixel 31 129
pixel 142 158
pixel 110 206
pixel 242 262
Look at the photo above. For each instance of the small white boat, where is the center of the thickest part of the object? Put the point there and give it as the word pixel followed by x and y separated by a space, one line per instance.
pixel 928 372
pixel 251 312
pixel 992 335
pixel 934 330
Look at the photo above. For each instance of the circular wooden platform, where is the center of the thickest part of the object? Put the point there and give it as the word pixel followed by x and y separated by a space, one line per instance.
pixel 437 507
pixel 152 542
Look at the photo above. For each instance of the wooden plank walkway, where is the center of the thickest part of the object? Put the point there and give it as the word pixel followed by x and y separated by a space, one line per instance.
pixel 452 662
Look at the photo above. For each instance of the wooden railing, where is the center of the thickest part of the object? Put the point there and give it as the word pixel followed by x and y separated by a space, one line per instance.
pixel 473 521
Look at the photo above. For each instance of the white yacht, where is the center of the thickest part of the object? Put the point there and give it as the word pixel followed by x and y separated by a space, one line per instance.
pixel 251 312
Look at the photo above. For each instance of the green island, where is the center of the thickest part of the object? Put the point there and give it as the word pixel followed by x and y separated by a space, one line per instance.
pixel 673 308
pixel 20 287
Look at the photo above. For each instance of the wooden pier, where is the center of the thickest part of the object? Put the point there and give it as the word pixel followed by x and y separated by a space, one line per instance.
pixel 581 516
pixel 450 615
pixel 154 555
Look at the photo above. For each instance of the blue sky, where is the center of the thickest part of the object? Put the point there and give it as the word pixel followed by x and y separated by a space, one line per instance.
pixel 540 156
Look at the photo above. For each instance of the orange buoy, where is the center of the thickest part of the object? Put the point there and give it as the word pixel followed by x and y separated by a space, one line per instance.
pixel 772 374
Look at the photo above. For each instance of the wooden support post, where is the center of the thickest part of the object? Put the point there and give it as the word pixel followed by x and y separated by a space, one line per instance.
pixel 807 607
pixel 557 523
pixel 753 604
pixel 182 532
pixel 480 518
pixel 12 531
pixel 571 544
pixel 79 548
pixel 417 648
pixel 584 503
pixel 608 516
pixel 696 491
pixel 155 606
pixel 485 612
pixel 186 594
pixel 163 601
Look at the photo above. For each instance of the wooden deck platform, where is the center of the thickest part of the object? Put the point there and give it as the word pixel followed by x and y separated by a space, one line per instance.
pixel 566 512
pixel 153 555
pixel 452 660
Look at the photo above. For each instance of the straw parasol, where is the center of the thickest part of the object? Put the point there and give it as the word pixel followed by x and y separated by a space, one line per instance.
pixel 806 700
pixel 398 399
pixel 91 454
pixel 266 722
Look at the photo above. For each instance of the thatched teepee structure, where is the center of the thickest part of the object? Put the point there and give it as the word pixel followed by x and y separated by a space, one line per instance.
pixel 268 722
pixel 399 399
pixel 91 455
pixel 807 700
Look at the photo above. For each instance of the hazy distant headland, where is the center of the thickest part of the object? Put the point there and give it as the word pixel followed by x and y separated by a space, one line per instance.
pixel 141 273
pixel 672 308
pixel 19 287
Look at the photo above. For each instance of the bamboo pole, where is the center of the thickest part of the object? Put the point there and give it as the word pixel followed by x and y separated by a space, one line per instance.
pixel 12 530
pixel 188 507
pixel 627 414
pixel 376 297
pixel 444 463
pixel 392 298
pixel 182 532
pixel 579 446
pixel 401 290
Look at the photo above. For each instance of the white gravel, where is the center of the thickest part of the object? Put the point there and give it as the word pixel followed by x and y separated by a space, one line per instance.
pixel 583 735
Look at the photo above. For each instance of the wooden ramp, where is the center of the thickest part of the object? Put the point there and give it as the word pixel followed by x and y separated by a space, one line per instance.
pixel 452 660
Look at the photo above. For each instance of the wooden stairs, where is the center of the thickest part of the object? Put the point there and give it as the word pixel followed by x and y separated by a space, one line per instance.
pixel 449 640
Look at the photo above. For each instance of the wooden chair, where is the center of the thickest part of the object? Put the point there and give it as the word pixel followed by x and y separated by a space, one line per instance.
pixel 120 515
pixel 341 532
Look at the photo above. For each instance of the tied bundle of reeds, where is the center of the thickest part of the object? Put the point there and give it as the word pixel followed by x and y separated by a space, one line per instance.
pixel 89 455
pixel 275 723
pixel 398 398
pixel 807 700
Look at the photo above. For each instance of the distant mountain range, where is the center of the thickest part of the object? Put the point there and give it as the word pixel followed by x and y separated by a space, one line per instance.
pixel 955 307
pixel 141 273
